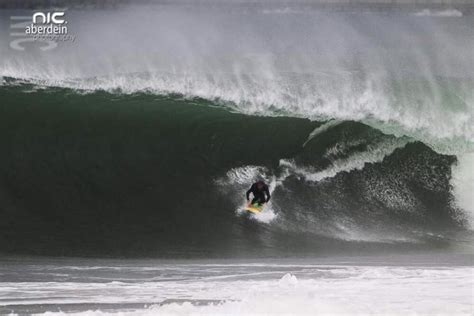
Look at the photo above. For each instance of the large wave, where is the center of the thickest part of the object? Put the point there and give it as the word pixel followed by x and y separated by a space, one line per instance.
pixel 156 175
pixel 362 123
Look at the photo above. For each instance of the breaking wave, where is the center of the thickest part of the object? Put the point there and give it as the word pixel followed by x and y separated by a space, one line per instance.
pixel 148 146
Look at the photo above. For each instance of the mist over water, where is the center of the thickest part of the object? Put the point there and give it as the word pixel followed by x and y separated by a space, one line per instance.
pixel 399 69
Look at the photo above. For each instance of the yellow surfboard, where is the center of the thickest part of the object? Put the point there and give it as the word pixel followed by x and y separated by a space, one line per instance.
pixel 254 208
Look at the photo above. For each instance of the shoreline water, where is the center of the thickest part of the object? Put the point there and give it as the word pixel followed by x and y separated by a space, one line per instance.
pixel 95 286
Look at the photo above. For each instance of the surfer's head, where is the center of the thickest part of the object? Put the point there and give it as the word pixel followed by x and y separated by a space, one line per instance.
pixel 260 184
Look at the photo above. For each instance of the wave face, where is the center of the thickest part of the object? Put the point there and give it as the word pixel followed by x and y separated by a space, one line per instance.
pixel 166 176
pixel 144 142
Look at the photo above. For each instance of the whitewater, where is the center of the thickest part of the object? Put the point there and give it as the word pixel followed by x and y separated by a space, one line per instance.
pixel 346 286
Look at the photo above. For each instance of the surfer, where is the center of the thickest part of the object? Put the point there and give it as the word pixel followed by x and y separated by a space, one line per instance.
pixel 260 192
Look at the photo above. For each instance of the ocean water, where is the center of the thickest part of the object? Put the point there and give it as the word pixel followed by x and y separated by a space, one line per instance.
pixel 415 284
pixel 139 139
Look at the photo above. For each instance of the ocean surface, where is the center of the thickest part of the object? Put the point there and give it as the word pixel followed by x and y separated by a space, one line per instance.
pixel 136 142
pixel 415 284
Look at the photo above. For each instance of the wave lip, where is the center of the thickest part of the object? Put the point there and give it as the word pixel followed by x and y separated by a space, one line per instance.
pixel 440 116
pixel 332 65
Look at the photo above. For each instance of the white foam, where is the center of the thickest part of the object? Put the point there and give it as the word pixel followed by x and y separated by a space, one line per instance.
pixel 321 129
pixel 267 215
pixel 288 280
pixel 237 181
pixel 243 175
pixel 285 10
pixel 374 153
pixel 337 290
pixel 440 13
pixel 463 185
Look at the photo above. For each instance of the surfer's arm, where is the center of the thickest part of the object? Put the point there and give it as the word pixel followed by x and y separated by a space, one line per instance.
pixel 248 192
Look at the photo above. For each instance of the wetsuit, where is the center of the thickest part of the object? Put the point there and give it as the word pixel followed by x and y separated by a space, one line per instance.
pixel 260 196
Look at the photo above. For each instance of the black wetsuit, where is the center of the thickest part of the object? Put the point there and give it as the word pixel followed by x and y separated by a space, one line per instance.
pixel 260 196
